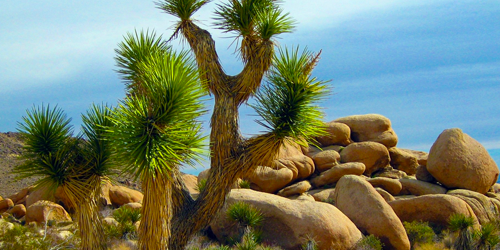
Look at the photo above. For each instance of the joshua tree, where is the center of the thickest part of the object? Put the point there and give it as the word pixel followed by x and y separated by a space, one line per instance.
pixel 156 129
pixel 286 105
pixel 74 165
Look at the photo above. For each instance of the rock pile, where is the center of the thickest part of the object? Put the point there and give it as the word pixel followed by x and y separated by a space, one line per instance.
pixel 377 186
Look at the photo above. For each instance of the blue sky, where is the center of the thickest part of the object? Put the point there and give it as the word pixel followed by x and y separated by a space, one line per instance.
pixel 426 65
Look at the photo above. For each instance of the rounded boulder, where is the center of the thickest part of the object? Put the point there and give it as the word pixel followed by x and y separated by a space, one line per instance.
pixel 336 134
pixel 456 160
pixel 359 200
pixel 371 127
pixel 374 155
pixel 289 223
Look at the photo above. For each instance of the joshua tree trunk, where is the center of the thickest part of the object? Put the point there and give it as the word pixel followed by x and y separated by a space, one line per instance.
pixel 156 204
pixel 229 151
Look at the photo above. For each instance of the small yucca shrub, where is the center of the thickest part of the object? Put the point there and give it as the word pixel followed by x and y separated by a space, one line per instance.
pixel 487 237
pixel 245 214
pixel 126 218
pixel 462 226
pixel 126 214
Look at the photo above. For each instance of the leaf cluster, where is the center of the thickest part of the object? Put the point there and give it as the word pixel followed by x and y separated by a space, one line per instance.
pixel 287 104
pixel 253 18
pixel 58 157
pixel 245 214
pixel 133 51
pixel 183 9
pixel 156 128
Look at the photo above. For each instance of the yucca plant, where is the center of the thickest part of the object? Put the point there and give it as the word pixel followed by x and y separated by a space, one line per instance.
pixel 156 129
pixel 487 237
pixel 255 25
pixel 75 165
pixel 96 169
pixel 245 214
pixel 462 226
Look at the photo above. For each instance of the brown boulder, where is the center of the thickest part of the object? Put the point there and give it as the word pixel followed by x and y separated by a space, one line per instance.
pixel 289 223
pixel 104 199
pixel 403 161
pixel 290 150
pixel 191 183
pixel 337 134
pixel 386 195
pixel 325 195
pixel 301 166
pixel 21 194
pixel 302 197
pixel 433 208
pixel 120 195
pixel 416 187
pixel 374 155
pixel 18 211
pixel 485 208
pixel 390 172
pixel 203 175
pixel 270 180
pixel 133 206
pixel 424 175
pixel 456 160
pixel 420 155
pixel 325 160
pixel 495 188
pixel 38 194
pixel 5 204
pixel 334 174
pixel 310 149
pixel 392 186
pixel 357 199
pixel 371 127
pixel 43 211
pixel 295 189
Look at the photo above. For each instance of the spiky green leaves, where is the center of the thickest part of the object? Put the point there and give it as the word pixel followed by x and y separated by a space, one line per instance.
pixel 51 153
pixel 288 103
pixel 262 18
pixel 183 9
pixel 158 129
pixel 136 48
pixel 97 147
pixel 45 130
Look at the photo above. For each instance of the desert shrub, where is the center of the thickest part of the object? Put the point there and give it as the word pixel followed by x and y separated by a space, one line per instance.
pixel 126 218
pixel 245 214
pixel 419 232
pixel 487 237
pixel 201 185
pixel 18 237
pixel 461 225
pixel 370 242
pixel 126 214
pixel 244 184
